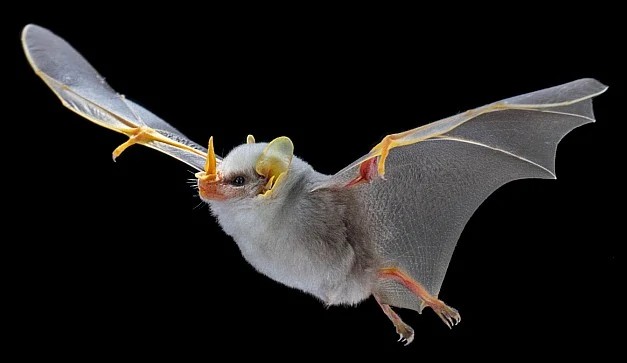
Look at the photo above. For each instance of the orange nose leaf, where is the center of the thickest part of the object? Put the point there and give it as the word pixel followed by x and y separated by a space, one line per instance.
pixel 210 164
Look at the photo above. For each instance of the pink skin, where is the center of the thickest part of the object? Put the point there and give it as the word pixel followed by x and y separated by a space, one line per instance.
pixel 220 189
pixel 216 189
pixel 367 171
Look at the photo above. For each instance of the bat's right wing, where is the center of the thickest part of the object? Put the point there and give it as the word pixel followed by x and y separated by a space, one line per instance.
pixel 81 89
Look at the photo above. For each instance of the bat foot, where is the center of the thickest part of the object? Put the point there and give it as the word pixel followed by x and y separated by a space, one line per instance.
pixel 405 332
pixel 450 316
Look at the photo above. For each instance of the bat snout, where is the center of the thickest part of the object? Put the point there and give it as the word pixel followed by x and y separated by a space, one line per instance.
pixel 211 190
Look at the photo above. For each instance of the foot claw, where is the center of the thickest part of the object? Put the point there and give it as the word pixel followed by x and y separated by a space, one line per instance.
pixel 449 315
pixel 406 333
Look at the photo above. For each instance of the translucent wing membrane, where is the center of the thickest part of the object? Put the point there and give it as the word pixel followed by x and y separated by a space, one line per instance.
pixel 437 175
pixel 84 91
pixel 568 99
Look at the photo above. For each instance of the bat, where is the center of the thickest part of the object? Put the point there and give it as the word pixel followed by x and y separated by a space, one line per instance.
pixel 384 226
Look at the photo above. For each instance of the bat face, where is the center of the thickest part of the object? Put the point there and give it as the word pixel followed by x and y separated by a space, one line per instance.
pixel 236 177
pixel 233 188
pixel 248 171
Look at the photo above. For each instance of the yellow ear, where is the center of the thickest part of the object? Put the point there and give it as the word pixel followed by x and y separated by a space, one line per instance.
pixel 275 161
pixel 250 139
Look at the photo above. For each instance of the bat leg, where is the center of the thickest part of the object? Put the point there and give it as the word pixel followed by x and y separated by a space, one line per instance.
pixel 449 315
pixel 405 331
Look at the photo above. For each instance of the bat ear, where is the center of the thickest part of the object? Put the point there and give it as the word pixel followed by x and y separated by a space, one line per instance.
pixel 275 161
pixel 250 139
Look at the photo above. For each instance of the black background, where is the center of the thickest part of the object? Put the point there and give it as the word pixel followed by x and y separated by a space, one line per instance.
pixel 117 259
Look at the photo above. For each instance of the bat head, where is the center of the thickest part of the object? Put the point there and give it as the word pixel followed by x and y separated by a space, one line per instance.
pixel 249 171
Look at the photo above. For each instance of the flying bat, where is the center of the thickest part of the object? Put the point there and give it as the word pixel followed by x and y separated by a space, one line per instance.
pixel 384 226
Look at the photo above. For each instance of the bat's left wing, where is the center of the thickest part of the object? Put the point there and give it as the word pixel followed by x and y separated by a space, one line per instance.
pixel 437 175
pixel 81 89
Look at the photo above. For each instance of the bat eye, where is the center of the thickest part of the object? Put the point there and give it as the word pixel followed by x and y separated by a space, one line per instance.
pixel 238 181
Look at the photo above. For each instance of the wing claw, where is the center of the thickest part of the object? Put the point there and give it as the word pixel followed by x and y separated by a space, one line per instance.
pixel 383 149
pixel 143 135
pixel 140 135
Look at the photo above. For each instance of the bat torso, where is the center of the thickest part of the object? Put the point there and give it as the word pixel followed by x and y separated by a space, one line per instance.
pixel 312 241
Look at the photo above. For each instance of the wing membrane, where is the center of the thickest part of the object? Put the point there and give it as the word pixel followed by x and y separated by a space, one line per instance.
pixel 567 99
pixel 437 175
pixel 81 89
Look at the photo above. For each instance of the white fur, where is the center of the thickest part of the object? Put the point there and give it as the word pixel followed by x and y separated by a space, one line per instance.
pixel 279 245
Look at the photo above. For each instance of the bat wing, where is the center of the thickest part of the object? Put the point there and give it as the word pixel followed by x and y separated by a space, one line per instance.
pixel 81 89
pixel 437 175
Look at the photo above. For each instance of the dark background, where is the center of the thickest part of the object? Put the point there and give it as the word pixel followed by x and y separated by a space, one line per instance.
pixel 118 258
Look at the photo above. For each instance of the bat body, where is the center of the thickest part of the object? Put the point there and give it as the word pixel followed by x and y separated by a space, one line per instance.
pixel 384 226
pixel 312 241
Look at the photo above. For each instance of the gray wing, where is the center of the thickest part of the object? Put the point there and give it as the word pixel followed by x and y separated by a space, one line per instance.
pixel 437 175
pixel 81 89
